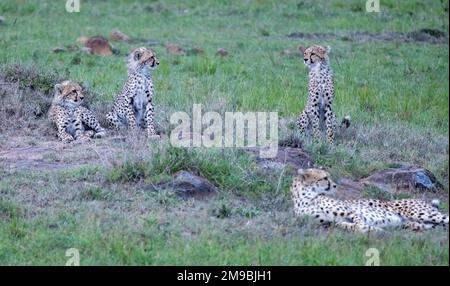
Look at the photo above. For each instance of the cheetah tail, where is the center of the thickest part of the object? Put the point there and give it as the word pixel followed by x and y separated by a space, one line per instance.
pixel 435 203
pixel 345 123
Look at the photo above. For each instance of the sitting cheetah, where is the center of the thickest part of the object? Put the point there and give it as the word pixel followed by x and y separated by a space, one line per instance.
pixel 321 93
pixel 309 190
pixel 134 106
pixel 70 117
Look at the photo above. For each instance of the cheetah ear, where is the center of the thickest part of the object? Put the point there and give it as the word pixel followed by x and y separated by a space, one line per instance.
pixel 302 173
pixel 58 88
pixel 301 49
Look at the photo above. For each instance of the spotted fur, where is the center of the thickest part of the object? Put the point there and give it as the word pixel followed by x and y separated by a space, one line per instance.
pixel 73 120
pixel 310 190
pixel 321 93
pixel 133 107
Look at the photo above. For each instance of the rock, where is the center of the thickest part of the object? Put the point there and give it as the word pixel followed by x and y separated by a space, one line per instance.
pixel 97 45
pixel 222 52
pixel 117 35
pixel 175 49
pixel 58 50
pixel 188 185
pixel 294 157
pixel 349 190
pixel 403 177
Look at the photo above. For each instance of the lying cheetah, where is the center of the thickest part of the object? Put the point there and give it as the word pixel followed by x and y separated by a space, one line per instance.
pixel 71 118
pixel 321 93
pixel 309 193
pixel 134 106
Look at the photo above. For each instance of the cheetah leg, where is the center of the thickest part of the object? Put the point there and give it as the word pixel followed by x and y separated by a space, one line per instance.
pixel 330 122
pixel 89 133
pixel 113 119
pixel 63 135
pixel 79 130
pixel 131 118
pixel 88 118
pixel 314 118
pixel 418 226
pixel 303 121
pixel 149 115
pixel 358 225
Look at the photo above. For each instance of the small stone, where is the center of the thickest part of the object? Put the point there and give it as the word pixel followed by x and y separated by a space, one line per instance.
pixel 2 20
pixel 58 50
pixel 117 35
pixel 222 52
pixel 346 121
pixel 175 49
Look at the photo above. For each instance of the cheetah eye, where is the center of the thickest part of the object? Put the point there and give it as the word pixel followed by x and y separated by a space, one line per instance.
pixel 326 179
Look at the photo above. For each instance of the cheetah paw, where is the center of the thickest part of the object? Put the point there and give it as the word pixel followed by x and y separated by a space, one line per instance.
pixel 83 139
pixel 100 134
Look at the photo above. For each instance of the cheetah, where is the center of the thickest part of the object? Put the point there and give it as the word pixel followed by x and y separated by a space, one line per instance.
pixel 133 107
pixel 310 190
pixel 70 117
pixel 321 93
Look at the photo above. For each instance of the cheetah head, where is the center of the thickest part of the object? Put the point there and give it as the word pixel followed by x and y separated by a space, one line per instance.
pixel 314 54
pixel 68 92
pixel 142 59
pixel 316 180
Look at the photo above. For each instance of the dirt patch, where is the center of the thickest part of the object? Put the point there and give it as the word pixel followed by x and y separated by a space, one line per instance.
pixel 21 153
pixel 432 36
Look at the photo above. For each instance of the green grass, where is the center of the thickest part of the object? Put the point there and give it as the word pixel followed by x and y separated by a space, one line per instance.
pixel 396 93
pixel 45 242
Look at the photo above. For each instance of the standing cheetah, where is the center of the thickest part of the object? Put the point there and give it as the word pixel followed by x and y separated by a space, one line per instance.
pixel 309 193
pixel 321 93
pixel 70 117
pixel 134 106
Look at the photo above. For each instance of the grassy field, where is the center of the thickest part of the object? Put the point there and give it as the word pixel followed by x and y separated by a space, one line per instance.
pixel 396 91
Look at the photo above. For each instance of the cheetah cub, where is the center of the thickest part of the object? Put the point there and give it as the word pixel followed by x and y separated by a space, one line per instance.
pixel 133 107
pixel 310 190
pixel 321 93
pixel 70 117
